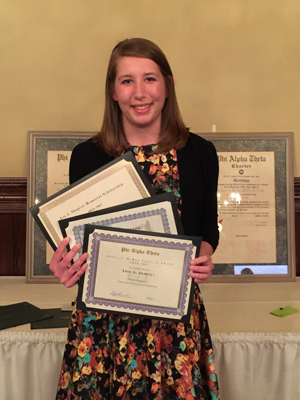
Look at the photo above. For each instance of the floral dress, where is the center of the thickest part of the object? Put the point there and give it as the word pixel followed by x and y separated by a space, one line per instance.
pixel 113 357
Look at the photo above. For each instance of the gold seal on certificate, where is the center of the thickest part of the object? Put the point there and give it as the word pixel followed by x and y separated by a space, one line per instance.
pixel 139 273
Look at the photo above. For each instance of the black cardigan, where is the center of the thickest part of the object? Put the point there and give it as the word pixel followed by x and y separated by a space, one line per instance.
pixel 198 173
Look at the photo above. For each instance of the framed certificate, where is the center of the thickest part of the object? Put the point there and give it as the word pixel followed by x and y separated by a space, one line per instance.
pixel 255 207
pixel 153 214
pixel 139 273
pixel 120 181
pixel 49 155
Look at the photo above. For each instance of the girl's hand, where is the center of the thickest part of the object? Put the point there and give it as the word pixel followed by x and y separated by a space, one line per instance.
pixel 201 268
pixel 61 266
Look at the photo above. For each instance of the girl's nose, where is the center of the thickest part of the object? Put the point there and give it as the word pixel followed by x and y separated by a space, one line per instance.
pixel 139 90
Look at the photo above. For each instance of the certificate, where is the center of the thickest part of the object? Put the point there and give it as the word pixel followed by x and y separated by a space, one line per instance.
pixel 246 208
pixel 153 214
pixel 118 182
pixel 139 273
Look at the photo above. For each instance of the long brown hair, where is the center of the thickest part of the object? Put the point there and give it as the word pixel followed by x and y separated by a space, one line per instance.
pixel 173 133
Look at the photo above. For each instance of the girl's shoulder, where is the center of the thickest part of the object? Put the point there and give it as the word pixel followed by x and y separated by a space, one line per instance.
pixel 87 157
pixel 200 146
pixel 200 142
pixel 87 147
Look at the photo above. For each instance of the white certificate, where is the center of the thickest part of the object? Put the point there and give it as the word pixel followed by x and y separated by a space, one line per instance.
pixel 246 208
pixel 131 272
pixel 155 214
pixel 120 181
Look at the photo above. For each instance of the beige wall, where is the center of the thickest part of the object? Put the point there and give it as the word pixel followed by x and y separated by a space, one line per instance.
pixel 236 64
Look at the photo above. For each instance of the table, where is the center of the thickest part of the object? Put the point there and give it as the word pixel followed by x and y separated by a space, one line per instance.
pixel 257 354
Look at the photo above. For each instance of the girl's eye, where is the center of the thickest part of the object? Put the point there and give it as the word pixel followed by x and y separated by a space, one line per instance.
pixel 150 79
pixel 126 81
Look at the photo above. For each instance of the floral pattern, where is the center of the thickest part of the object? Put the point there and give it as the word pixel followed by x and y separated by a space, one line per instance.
pixel 161 169
pixel 113 357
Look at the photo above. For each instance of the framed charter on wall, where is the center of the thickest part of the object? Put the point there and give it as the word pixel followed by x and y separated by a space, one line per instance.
pixel 48 172
pixel 255 207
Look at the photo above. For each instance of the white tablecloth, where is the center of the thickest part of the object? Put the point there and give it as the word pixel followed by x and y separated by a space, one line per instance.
pixel 250 365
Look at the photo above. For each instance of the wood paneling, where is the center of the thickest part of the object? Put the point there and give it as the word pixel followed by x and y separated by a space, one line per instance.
pixel 13 194
pixel 12 226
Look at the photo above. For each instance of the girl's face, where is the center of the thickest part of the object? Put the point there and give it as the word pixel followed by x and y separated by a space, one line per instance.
pixel 141 92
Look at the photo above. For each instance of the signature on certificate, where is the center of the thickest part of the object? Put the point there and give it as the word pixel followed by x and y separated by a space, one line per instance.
pixel 120 294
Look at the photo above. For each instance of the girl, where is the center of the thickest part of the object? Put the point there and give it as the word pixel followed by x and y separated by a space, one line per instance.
pixel 108 356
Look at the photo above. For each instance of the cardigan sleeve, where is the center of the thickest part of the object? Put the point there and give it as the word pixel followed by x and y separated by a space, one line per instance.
pixel 198 171
pixel 209 220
